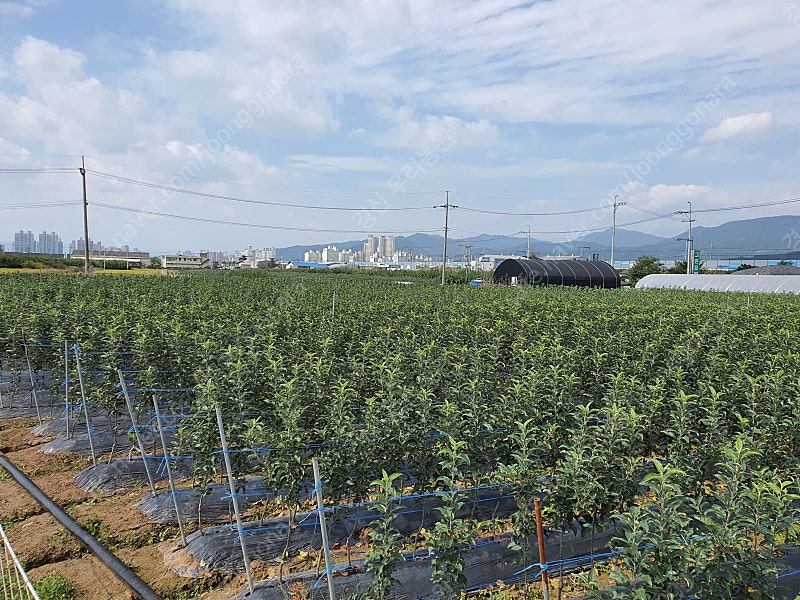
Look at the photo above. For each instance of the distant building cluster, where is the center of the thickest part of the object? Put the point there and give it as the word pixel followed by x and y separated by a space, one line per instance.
pixel 26 242
pixel 79 245
pixel 379 250
pixel 47 243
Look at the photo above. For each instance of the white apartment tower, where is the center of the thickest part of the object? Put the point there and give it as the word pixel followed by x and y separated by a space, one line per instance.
pixel 50 243
pixel 24 242
pixel 386 246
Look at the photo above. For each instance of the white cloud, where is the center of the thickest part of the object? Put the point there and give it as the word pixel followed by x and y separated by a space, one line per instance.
pixel 553 62
pixel 68 111
pixel 40 61
pixel 408 130
pixel 15 10
pixel 275 89
pixel 336 164
pixel 552 96
pixel 665 198
pixel 743 126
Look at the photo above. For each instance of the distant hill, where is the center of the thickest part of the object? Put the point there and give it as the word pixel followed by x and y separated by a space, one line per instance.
pixel 623 238
pixel 764 236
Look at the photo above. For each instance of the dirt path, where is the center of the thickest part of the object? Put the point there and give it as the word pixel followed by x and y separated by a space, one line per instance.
pixel 45 547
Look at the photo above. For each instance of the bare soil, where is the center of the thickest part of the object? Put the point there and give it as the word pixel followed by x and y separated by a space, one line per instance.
pixel 45 547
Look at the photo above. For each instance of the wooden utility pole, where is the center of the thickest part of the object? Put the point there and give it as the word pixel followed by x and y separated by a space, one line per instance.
pixel 446 206
pixel 85 220
pixel 614 226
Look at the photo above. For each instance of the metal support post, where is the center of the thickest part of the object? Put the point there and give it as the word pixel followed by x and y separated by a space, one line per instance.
pixel 30 374
pixel 323 527
pixel 21 576
pixel 66 385
pixel 232 486
pixel 85 403
pixel 135 427
pixel 167 459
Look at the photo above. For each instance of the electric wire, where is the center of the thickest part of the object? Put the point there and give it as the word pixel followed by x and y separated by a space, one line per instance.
pixel 177 190
pixel 39 170
pixel 253 225
pixel 529 214
pixel 39 205
pixel 265 187
pixel 745 206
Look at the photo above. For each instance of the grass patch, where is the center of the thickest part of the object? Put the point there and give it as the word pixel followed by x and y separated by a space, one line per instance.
pixel 55 587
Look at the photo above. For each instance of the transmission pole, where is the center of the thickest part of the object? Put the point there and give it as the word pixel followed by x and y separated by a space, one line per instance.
pixel 85 220
pixel 446 206
pixel 528 255
pixel 614 225
pixel 689 253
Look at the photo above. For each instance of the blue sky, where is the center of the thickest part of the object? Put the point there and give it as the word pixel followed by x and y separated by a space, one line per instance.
pixel 522 108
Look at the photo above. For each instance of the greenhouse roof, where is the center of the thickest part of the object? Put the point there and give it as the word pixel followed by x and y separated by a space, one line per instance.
pixel 771 270
pixel 767 284
pixel 524 271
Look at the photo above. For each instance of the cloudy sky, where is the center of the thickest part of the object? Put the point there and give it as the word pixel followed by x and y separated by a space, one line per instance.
pixel 271 114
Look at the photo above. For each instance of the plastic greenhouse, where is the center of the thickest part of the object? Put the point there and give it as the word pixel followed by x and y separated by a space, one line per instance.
pixel 767 284
pixel 524 271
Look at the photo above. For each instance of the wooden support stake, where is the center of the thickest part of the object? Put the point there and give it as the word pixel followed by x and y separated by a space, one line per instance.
pixel 537 506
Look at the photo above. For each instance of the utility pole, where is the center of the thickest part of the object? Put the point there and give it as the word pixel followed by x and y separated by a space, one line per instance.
pixel 689 253
pixel 690 257
pixel 614 225
pixel 85 220
pixel 446 206
pixel 528 255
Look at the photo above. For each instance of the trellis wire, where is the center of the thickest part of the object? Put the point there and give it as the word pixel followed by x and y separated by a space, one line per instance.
pixel 14 581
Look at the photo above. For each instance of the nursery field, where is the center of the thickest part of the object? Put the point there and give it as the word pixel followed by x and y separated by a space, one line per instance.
pixel 658 428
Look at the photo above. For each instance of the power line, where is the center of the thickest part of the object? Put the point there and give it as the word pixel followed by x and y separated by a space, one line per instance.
pixel 37 205
pixel 40 155
pixel 533 214
pixel 744 206
pixel 266 187
pixel 39 170
pixel 176 190
pixel 670 216
pixel 253 225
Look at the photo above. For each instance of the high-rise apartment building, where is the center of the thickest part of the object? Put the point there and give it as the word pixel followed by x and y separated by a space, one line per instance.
pixel 50 243
pixel 24 242
pixel 330 254
pixel 80 246
pixel 386 246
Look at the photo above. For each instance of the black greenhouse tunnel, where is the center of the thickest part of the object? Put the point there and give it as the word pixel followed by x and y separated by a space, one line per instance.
pixel 524 271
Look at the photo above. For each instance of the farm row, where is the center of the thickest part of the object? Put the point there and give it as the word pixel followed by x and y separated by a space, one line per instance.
pixel 671 415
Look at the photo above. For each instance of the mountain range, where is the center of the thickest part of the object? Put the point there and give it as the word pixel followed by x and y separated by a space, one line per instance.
pixel 765 237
